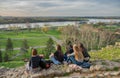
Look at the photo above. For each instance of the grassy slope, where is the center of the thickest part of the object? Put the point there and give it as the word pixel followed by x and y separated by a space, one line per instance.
pixel 34 38
pixel 108 53
pixel 12 64
pixel 111 53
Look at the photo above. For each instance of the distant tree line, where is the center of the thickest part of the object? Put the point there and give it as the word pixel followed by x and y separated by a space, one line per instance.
pixel 8 20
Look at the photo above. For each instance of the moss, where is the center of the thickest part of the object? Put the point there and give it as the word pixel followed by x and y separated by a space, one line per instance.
pixel 103 63
pixel 116 68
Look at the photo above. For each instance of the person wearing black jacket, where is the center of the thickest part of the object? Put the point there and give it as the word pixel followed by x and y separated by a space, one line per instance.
pixel 84 51
pixel 57 57
pixel 36 62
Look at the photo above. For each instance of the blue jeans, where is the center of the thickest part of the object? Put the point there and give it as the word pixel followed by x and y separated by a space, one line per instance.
pixel 82 64
pixel 65 57
pixel 72 60
pixel 54 60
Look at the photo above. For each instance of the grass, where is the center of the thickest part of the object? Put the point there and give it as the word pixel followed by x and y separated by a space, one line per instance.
pixel 34 38
pixel 39 39
pixel 111 53
pixel 12 64
pixel 54 33
pixel 11 34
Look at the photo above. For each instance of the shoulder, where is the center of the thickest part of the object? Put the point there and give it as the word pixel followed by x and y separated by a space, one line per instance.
pixel 55 52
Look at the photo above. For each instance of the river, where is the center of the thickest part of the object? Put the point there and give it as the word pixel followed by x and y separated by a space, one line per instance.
pixel 40 24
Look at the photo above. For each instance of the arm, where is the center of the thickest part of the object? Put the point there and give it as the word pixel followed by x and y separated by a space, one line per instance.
pixel 30 62
pixel 71 54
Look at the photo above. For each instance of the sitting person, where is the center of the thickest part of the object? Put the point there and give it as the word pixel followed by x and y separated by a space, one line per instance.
pixel 69 50
pixel 57 57
pixel 84 52
pixel 36 62
pixel 77 57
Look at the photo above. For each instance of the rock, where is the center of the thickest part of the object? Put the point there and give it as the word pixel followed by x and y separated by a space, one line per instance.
pixel 98 67
pixel 100 75
pixel 37 76
pixel 69 70
pixel 106 73
pixel 58 73
pixel 50 73
pixel 92 68
pixel 98 70
pixel 115 73
pixel 85 70
pixel 92 76
pixel 74 67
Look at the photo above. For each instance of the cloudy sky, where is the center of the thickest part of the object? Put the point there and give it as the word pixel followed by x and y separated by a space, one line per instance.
pixel 60 7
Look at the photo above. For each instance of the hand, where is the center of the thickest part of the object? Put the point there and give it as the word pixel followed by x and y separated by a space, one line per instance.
pixel 52 54
pixel 41 55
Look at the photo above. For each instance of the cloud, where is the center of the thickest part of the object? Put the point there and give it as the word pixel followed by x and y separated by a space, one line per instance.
pixel 60 7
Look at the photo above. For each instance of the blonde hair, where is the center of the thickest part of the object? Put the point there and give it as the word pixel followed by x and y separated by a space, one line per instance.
pixel 78 53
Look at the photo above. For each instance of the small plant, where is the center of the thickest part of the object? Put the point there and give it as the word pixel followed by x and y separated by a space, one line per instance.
pixel 103 63
pixel 1 56
pixel 116 68
pixel 49 47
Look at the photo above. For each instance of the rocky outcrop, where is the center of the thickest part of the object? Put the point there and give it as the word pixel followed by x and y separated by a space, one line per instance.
pixel 99 69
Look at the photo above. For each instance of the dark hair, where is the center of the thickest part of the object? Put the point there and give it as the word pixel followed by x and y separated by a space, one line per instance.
pixel 58 47
pixel 34 52
pixel 81 46
pixel 71 46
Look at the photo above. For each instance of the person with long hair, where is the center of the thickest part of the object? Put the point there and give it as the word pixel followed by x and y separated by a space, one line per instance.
pixel 36 63
pixel 78 53
pixel 77 57
pixel 57 57
pixel 69 50
pixel 84 52
pixel 33 65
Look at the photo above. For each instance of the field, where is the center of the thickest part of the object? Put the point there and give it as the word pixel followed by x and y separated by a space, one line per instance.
pixel 37 39
pixel 111 53
pixel 34 38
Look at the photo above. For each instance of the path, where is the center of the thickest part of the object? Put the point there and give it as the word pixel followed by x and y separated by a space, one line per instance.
pixel 55 39
pixel 19 48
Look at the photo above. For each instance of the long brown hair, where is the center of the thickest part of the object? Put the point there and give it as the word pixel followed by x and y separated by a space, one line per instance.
pixel 78 53
pixel 34 52
pixel 58 48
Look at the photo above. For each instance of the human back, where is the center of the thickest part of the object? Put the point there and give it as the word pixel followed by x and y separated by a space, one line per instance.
pixel 84 52
pixel 59 54
pixel 78 53
pixel 35 59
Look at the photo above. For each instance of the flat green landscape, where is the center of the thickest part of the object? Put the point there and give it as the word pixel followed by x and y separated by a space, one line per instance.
pixel 34 38
pixel 37 39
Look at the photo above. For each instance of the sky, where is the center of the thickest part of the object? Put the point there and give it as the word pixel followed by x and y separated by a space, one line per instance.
pixel 60 7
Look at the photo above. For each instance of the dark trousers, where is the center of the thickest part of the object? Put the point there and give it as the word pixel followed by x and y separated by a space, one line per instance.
pixel 82 64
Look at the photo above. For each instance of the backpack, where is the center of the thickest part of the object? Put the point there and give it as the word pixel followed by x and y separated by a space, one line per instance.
pixel 44 64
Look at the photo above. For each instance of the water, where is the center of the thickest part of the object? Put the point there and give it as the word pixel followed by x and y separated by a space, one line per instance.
pixel 103 20
pixel 24 25
pixel 40 24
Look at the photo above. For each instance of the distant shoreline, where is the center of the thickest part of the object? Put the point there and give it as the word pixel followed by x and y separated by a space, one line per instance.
pixel 14 20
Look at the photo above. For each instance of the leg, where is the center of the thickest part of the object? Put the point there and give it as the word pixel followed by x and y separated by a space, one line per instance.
pixel 54 60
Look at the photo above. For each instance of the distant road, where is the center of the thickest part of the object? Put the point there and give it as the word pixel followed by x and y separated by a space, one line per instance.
pixel 31 47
